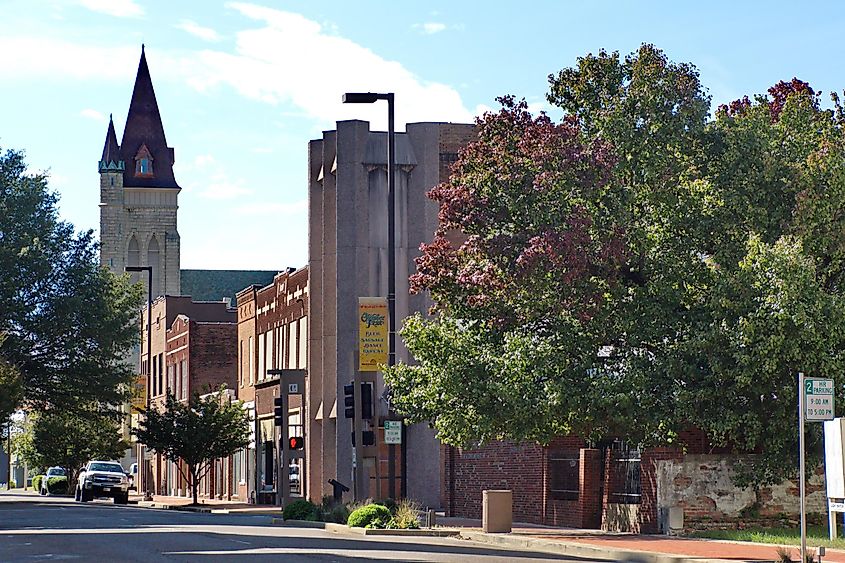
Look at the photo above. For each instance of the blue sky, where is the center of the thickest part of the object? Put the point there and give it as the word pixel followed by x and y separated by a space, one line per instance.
pixel 242 87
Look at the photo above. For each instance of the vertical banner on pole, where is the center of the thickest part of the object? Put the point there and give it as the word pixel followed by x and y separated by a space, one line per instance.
pixel 372 333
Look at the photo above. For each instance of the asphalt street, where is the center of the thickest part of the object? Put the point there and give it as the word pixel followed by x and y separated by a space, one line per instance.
pixel 34 528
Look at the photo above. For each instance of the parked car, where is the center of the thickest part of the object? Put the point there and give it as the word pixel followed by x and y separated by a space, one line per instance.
pixel 103 479
pixel 52 472
pixel 133 476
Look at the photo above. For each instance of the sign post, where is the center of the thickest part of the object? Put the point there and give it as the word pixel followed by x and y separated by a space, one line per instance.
pixel 815 404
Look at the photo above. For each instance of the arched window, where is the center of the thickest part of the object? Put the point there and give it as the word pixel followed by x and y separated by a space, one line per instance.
pixel 154 261
pixel 133 257
pixel 144 163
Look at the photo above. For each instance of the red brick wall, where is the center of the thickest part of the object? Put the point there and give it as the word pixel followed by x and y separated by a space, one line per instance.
pixel 213 356
pixel 500 465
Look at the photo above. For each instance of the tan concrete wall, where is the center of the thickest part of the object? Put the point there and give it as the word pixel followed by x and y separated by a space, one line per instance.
pixel 702 485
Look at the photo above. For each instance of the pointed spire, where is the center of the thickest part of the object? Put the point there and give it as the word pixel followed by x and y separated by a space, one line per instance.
pixel 144 127
pixel 110 160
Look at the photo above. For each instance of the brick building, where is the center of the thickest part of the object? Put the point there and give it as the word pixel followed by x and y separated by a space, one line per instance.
pixel 347 206
pixel 193 348
pixel 613 486
pixel 272 333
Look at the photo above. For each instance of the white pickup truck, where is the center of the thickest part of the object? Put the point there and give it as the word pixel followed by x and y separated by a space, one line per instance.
pixel 103 479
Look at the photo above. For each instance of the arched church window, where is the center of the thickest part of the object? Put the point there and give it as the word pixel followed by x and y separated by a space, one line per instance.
pixel 144 162
pixel 133 257
pixel 153 259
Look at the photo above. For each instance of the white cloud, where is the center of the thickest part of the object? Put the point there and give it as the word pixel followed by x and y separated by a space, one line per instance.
pixel 325 66
pixel 203 160
pixel 295 208
pixel 205 33
pixel 92 114
pixel 117 8
pixel 222 188
pixel 42 59
pixel 430 28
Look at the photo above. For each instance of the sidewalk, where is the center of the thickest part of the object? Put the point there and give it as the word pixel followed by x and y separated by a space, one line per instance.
pixel 205 505
pixel 627 547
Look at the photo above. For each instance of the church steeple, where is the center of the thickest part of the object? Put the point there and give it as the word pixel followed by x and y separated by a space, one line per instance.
pixel 144 129
pixel 110 161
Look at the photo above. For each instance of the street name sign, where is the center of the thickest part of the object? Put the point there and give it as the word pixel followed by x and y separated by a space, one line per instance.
pixel 818 399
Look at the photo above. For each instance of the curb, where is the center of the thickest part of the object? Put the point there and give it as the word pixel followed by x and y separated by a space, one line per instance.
pixel 583 550
pixel 343 529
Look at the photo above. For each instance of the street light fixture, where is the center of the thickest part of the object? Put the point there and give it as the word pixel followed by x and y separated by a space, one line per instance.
pixel 149 269
pixel 370 98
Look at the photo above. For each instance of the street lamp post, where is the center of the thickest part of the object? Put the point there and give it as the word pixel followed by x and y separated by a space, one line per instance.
pixel 370 98
pixel 149 269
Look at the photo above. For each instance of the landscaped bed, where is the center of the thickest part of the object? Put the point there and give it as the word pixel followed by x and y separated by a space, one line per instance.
pixel 816 536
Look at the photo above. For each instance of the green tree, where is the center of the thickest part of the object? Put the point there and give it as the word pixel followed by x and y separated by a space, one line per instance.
pixel 67 322
pixel 69 440
pixel 11 389
pixel 198 432
pixel 637 269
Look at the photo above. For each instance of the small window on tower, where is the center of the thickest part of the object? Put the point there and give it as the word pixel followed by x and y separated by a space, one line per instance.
pixel 144 162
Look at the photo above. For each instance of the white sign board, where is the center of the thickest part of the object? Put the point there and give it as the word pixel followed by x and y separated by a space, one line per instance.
pixel 818 399
pixel 834 458
pixel 392 431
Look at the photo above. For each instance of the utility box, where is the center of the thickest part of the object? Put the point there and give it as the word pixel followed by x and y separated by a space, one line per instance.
pixel 497 512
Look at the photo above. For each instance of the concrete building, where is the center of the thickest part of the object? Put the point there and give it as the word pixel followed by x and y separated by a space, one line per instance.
pixel 272 334
pixel 347 202
pixel 193 350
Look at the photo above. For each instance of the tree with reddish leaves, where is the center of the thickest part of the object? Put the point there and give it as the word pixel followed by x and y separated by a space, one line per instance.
pixel 637 269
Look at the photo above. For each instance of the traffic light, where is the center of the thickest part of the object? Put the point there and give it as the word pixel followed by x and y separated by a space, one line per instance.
pixel 278 414
pixel 366 400
pixel 367 436
pixel 296 442
pixel 349 400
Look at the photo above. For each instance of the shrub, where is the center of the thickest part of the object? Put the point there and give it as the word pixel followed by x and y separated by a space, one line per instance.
pixel 332 511
pixel 390 504
pixel 406 515
pixel 57 485
pixel 300 510
pixel 12 484
pixel 370 516
pixel 36 482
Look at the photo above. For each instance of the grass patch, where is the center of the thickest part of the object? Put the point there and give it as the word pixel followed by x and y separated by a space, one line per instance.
pixel 816 536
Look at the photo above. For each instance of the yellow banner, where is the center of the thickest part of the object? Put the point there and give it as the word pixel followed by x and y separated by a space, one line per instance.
pixel 372 333
pixel 139 393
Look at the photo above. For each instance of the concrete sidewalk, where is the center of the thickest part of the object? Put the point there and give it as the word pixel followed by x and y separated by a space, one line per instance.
pixel 627 547
pixel 205 505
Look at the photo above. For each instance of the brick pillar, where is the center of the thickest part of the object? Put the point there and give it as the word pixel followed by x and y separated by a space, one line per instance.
pixel 589 494
pixel 648 482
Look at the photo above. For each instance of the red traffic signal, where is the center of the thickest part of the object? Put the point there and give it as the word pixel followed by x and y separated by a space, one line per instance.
pixel 296 442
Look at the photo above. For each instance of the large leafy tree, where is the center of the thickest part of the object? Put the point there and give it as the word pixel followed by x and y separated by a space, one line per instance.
pixel 635 270
pixel 66 321
pixel 197 432
pixel 68 440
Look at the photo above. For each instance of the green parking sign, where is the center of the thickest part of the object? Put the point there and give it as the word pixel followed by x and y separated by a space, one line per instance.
pixel 818 399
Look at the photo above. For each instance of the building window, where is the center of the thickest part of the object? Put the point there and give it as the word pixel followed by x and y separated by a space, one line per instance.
pixel 183 369
pixel 144 163
pixel 241 362
pixel 262 346
pixel 625 462
pixel 564 473
pixel 251 365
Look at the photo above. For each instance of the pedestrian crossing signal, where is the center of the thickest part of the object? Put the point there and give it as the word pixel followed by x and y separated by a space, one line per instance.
pixel 296 442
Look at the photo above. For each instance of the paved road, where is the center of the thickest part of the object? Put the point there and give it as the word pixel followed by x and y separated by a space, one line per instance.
pixel 34 528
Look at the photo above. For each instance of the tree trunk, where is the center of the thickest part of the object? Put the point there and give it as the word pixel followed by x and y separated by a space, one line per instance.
pixel 194 483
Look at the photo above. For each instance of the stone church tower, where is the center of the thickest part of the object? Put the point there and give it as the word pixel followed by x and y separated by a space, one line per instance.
pixel 139 194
